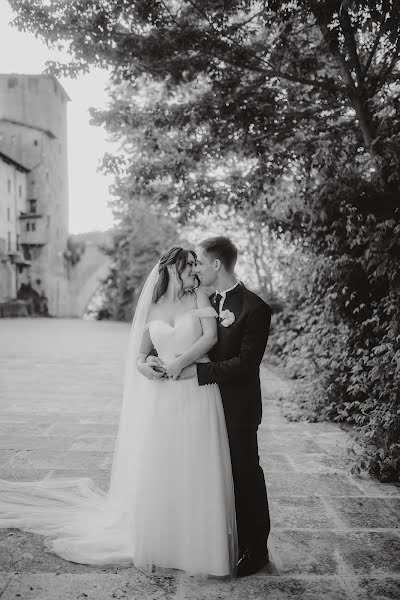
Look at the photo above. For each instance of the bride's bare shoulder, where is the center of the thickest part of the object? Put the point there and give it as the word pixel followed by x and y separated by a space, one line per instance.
pixel 203 300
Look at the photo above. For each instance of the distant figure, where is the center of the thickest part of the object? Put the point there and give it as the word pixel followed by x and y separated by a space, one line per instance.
pixel 37 303
pixel 24 293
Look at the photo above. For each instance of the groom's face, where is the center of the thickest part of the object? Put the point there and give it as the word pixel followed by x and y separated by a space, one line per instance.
pixel 206 269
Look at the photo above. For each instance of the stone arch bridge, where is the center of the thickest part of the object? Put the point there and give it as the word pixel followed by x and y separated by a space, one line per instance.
pixel 85 278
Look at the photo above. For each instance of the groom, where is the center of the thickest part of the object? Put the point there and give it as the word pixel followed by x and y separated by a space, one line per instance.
pixel 243 327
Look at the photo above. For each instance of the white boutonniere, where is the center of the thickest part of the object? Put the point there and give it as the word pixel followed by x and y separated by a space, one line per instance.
pixel 226 318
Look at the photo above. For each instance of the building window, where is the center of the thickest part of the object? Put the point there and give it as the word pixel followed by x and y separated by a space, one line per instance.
pixel 12 82
pixel 35 142
pixel 32 206
pixel 8 214
pixel 33 226
pixel 20 191
pixel 9 241
pixel 8 185
pixel 27 226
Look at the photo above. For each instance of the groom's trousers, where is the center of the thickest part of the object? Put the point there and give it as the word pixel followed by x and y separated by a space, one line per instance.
pixel 252 512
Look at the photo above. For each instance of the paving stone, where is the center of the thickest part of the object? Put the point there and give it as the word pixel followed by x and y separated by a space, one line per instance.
pixel 5 579
pixel 299 513
pixel 96 586
pixel 333 552
pixel 318 463
pixel 23 427
pixel 372 553
pixel 105 444
pixel 84 429
pixel 293 446
pixel 23 474
pixel 19 442
pixel 26 553
pixel 275 462
pixel 374 588
pixel 267 588
pixel 365 512
pixel 393 504
pixel 37 423
pixel 310 484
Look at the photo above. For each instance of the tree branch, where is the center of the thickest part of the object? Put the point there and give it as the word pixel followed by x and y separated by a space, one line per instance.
pixel 171 14
pixel 386 70
pixel 375 46
pixel 238 26
pixel 348 32
pixel 340 59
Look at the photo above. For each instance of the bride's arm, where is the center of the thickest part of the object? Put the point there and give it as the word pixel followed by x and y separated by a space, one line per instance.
pixel 207 340
pixel 144 366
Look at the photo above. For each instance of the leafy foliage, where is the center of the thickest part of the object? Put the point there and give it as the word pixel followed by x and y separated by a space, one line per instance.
pixel 342 334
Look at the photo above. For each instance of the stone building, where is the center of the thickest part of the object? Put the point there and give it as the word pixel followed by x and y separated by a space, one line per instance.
pixel 13 184
pixel 34 187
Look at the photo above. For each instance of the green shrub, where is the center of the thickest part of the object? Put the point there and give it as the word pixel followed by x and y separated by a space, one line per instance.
pixel 340 333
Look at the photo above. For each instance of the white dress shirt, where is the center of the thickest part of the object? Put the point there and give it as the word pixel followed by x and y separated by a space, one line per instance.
pixel 223 294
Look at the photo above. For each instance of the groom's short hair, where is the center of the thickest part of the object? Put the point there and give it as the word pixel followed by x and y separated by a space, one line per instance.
pixel 222 248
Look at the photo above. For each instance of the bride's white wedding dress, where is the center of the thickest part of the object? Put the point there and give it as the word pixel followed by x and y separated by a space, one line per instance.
pixel 171 499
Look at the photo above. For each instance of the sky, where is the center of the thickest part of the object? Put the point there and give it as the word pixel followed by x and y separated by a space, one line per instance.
pixel 88 189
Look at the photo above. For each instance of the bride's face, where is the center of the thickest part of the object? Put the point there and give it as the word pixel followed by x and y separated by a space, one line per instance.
pixel 189 273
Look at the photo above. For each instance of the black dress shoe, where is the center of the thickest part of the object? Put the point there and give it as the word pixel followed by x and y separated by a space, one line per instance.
pixel 249 563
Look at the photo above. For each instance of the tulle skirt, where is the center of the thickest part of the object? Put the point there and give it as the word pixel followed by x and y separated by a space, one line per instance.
pixel 176 508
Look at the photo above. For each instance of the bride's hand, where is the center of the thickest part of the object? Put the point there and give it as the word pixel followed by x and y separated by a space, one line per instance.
pixel 155 362
pixel 173 368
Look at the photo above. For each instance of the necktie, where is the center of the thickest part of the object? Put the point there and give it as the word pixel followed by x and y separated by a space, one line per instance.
pixel 216 301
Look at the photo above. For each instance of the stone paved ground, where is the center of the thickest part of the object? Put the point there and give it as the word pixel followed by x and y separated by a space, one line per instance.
pixel 334 536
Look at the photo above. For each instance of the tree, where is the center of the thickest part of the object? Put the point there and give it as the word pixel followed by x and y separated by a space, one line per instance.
pixel 275 70
pixel 138 242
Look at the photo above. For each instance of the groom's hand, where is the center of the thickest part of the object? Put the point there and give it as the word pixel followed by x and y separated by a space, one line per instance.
pixel 188 372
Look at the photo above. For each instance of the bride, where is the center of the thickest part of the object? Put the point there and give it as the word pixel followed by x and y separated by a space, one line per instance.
pixel 170 504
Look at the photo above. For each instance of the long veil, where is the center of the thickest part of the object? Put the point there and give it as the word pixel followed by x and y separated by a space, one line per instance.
pixel 80 521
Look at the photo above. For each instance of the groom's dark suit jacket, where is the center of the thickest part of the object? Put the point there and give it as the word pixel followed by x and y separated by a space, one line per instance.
pixel 237 356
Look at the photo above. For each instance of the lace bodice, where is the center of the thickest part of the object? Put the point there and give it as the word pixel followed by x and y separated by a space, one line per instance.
pixel 171 340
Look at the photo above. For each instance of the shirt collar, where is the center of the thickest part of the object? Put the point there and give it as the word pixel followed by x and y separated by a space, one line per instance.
pixel 224 293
